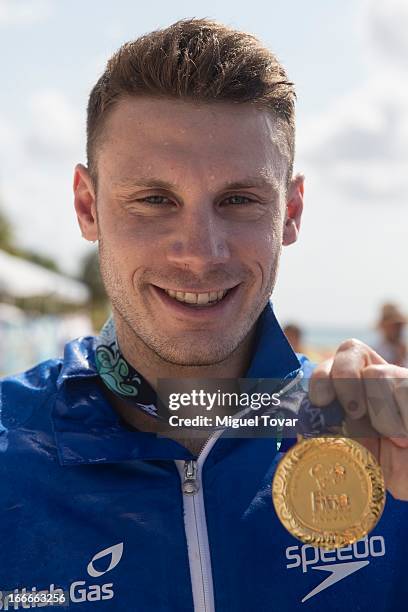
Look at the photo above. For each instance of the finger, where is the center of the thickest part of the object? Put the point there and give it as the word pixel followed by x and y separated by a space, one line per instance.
pixel 401 397
pixel 321 390
pixel 351 358
pixel 385 415
pixel 394 463
pixel 361 430
pixel 373 444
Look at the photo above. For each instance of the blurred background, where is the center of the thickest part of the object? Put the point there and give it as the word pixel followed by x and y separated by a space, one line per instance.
pixel 348 58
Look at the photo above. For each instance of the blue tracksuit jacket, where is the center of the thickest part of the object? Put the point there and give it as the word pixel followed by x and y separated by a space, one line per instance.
pixel 94 513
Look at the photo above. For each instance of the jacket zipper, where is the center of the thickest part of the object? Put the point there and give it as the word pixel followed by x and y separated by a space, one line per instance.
pixel 195 523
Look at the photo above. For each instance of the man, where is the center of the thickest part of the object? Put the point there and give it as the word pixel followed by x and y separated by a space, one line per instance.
pixel 189 192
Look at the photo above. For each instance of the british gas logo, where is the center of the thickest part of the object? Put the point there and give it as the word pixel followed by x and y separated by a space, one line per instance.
pixel 114 552
pixel 77 592
pixel 338 564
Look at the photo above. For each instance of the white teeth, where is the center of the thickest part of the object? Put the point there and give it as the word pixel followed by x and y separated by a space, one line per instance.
pixel 201 299
pixel 190 298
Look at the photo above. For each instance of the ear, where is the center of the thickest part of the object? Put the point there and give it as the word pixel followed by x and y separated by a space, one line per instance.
pixel 294 209
pixel 85 203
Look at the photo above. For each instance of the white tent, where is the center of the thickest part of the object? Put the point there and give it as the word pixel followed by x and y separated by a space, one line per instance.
pixel 11 314
pixel 22 279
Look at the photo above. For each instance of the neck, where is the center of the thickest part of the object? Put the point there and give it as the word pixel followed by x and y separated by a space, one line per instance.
pixel 152 367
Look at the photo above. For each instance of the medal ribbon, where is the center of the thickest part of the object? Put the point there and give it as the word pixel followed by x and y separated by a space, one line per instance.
pixel 128 384
pixel 119 375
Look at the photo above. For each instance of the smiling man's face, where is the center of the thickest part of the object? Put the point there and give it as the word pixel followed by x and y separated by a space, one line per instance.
pixel 191 210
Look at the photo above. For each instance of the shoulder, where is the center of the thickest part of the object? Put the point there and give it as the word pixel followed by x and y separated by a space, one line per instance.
pixel 25 395
pixel 22 394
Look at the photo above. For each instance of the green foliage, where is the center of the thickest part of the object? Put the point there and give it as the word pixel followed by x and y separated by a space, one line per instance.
pixel 37 258
pixel 6 232
pixel 91 276
pixel 7 243
pixel 99 308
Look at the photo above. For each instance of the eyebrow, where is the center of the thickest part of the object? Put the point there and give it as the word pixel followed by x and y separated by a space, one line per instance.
pixel 258 182
pixel 144 182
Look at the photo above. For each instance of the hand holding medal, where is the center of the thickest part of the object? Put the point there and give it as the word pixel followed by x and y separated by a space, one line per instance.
pixel 330 491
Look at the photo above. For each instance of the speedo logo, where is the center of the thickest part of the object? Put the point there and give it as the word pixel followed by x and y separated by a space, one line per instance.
pixel 78 591
pixel 338 563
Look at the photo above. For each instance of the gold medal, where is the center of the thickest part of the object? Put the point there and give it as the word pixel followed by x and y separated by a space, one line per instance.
pixel 328 492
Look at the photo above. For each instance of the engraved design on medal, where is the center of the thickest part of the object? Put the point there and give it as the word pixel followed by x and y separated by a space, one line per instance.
pixel 328 504
pixel 328 492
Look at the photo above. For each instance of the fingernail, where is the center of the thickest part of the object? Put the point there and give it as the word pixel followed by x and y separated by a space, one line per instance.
pixel 352 406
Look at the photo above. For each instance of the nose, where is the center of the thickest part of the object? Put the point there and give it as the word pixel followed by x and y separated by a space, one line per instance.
pixel 199 242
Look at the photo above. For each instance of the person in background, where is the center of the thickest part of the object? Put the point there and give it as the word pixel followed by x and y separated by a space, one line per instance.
pixel 295 336
pixel 391 325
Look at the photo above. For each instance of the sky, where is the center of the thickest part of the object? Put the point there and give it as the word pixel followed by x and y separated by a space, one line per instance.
pixel 348 59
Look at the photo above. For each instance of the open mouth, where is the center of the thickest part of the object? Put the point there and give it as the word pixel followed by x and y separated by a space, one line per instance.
pixel 198 300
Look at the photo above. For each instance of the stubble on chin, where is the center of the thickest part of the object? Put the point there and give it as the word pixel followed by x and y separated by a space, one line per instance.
pixel 139 336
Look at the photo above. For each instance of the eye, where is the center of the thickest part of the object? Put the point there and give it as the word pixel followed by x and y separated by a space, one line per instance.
pixel 237 200
pixel 155 199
